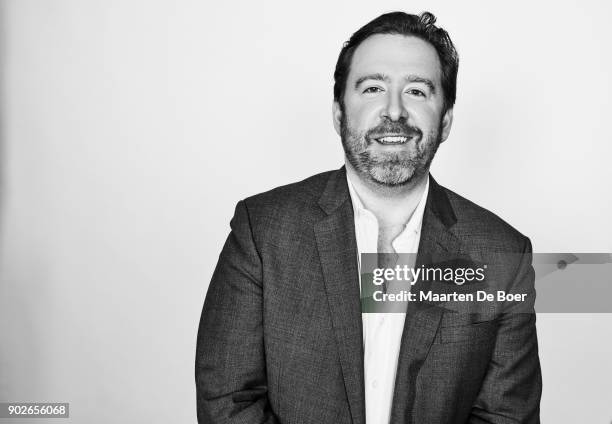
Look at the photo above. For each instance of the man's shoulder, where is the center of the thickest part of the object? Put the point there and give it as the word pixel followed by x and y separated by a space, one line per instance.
pixel 291 199
pixel 479 224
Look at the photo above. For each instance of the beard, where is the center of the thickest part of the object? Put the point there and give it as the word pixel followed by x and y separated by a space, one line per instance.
pixel 390 169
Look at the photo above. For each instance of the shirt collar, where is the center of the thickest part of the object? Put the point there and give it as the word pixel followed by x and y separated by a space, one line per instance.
pixel 413 224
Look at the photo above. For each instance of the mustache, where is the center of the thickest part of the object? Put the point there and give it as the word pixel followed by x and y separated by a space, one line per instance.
pixel 397 128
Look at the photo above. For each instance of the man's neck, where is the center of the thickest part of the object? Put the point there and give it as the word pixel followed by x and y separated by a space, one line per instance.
pixel 392 206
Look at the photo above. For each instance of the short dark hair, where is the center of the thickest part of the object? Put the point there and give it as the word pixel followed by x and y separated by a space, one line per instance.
pixel 421 26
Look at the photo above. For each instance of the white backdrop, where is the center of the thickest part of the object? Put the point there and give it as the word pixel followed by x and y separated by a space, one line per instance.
pixel 131 128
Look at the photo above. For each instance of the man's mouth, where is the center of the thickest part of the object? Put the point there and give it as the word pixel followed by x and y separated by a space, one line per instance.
pixel 392 139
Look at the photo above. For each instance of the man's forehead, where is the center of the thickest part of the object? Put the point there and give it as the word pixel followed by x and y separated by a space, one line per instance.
pixel 395 54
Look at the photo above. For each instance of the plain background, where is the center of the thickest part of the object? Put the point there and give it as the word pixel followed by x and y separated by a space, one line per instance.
pixel 130 129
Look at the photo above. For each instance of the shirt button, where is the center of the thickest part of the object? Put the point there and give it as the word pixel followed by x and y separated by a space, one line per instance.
pixel 375 384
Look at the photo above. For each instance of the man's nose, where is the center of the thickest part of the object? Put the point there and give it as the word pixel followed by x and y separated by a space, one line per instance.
pixel 394 109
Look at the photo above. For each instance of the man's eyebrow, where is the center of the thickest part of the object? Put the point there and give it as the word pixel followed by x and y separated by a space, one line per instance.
pixel 415 78
pixel 377 77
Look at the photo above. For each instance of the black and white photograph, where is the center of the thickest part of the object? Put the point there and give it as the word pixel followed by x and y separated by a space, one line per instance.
pixel 318 212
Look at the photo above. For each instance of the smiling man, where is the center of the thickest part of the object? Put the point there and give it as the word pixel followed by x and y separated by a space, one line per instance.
pixel 283 336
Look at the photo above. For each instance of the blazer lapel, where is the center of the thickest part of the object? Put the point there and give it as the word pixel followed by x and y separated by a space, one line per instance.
pixel 337 246
pixel 422 319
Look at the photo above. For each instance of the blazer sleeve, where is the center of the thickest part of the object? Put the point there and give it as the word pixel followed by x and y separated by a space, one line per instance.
pixel 230 368
pixel 512 387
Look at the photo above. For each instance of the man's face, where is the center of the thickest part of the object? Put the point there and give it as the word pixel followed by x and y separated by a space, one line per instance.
pixel 392 121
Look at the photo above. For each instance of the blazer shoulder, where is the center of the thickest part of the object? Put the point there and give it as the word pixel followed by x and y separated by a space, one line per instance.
pixel 480 224
pixel 298 193
pixel 289 207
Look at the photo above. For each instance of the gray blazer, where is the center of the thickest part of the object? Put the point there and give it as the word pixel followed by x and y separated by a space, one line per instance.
pixel 280 337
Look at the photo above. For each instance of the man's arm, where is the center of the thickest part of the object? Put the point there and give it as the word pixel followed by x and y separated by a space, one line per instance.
pixel 512 387
pixel 230 367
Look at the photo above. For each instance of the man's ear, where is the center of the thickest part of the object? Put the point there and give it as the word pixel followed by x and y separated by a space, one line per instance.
pixel 337 116
pixel 447 123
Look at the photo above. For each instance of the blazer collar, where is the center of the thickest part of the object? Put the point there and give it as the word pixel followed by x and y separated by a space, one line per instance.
pixel 336 192
pixel 439 204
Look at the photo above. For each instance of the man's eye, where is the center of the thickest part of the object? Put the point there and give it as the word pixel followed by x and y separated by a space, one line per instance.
pixel 416 92
pixel 373 90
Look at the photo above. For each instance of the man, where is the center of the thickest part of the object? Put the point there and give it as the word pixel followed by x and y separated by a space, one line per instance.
pixel 282 337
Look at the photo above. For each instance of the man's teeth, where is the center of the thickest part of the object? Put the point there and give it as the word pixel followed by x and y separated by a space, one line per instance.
pixel 393 140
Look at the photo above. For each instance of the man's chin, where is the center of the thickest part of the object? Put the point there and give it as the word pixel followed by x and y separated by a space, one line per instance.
pixel 392 176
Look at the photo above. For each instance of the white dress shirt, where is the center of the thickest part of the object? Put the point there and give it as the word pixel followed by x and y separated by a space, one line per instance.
pixel 382 332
